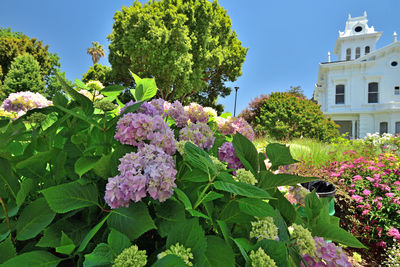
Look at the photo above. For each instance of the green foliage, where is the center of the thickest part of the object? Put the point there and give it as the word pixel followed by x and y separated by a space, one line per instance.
pixel 285 116
pixel 188 46
pixel 100 73
pixel 24 75
pixel 53 180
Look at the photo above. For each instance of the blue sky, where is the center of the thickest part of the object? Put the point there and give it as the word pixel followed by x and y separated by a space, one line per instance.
pixel 286 39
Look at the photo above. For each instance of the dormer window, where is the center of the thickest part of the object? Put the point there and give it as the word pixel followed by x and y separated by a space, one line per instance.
pixel 358 52
pixel 348 54
pixel 339 97
pixel 373 92
pixel 367 49
pixel 358 29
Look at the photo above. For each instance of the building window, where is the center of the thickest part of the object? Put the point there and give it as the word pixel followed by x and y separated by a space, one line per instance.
pixel 367 49
pixel 358 52
pixel 339 99
pixel 397 130
pixel 383 127
pixel 373 92
pixel 397 90
pixel 348 54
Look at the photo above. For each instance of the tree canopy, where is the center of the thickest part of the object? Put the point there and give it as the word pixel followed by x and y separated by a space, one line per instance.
pixel 187 46
pixel 285 115
pixel 100 73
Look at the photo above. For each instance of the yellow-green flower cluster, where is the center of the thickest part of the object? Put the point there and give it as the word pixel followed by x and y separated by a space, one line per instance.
pixel 261 259
pixel 218 164
pixel 105 105
pixel 4 113
pixel 131 257
pixel 184 253
pixel 264 229
pixel 180 146
pixel 36 117
pixel 95 85
pixel 245 176
pixel 304 239
pixel 211 112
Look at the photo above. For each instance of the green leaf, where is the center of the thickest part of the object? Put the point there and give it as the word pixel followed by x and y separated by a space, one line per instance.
pixel 225 231
pixel 149 88
pixel 118 242
pixel 184 198
pixel 242 189
pixel 85 164
pixel 100 256
pixel 210 196
pixel 196 213
pixel 244 246
pixel 256 207
pixel 268 180
pixel 71 196
pixel 231 213
pixel 137 215
pixel 7 250
pixel 85 103
pixel 218 253
pixel 170 260
pixel 191 235
pixel 7 177
pixel 102 167
pixel 33 219
pixel 80 116
pixel 4 121
pixel 246 152
pixel 60 99
pixel 313 205
pixel 4 231
pixel 279 155
pixel 276 250
pixel 199 159
pixel 131 109
pixel 91 234
pixel 36 164
pixel 67 246
pixel 285 208
pixel 169 213
pixel 26 186
pixel 112 90
pixel 34 258
pixel 195 175
pixel 283 233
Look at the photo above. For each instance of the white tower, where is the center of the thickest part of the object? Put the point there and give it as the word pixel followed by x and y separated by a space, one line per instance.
pixel 357 39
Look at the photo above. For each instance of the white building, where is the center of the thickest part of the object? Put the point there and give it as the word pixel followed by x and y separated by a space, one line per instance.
pixel 361 90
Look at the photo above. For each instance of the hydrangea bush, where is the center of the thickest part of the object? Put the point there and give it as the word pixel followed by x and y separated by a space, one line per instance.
pixel 155 184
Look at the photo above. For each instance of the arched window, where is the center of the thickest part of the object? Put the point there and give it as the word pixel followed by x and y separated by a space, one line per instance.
pixel 373 92
pixel 339 97
pixel 348 54
pixel 358 51
pixel 367 49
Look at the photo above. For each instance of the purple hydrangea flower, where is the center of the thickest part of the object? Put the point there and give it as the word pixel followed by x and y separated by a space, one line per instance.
pixel 161 106
pixel 227 154
pixel 231 125
pixel 196 113
pixel 198 133
pixel 149 170
pixel 178 113
pixel 136 128
pixel 21 102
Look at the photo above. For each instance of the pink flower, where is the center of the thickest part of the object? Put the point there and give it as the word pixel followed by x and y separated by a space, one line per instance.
pixel 370 179
pixel 379 229
pixel 394 232
pixel 381 244
pixel 379 205
pixel 357 198
pixel 357 178
pixel 352 185
pixel 389 195
pixel 366 192
pixel 397 183
pixel 365 212
pixel 352 191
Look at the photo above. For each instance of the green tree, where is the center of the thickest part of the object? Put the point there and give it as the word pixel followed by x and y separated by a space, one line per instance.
pixel 297 91
pixel 24 75
pixel 285 116
pixel 100 73
pixel 96 52
pixel 54 85
pixel 187 46
pixel 14 44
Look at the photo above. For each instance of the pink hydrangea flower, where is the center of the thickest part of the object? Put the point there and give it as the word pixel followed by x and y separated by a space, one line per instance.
pixel 366 192
pixel 357 178
pixel 394 233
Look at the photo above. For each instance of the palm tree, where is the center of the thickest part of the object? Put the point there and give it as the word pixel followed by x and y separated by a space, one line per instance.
pixel 96 51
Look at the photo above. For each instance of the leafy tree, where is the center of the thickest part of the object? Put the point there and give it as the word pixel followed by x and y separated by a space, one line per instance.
pixel 96 52
pixel 285 115
pixel 24 75
pixel 54 85
pixel 99 73
pixel 14 44
pixel 188 46
pixel 297 91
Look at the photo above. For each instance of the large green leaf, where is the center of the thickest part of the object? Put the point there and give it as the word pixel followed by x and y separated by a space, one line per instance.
pixel 26 186
pixel 66 197
pixel 85 164
pixel 337 234
pixel 34 258
pixel 285 208
pixel 133 221
pixel 276 250
pixel 256 207
pixel 231 213
pixel 35 166
pixel 66 245
pixel 268 180
pixel 242 189
pixel 91 233
pixel 100 256
pixel 199 159
pixel 184 198
pixel 7 250
pixel 191 235
pixel 8 179
pixel 112 90
pixel 169 213
pixel 76 112
pixel 33 219
pixel 102 167
pixel 218 253
pixel 244 246
pixel 170 260
pixel 279 155
pixel 118 242
pixel 246 152
pixel 195 175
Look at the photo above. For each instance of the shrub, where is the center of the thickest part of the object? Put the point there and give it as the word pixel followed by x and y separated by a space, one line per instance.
pixel 286 116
